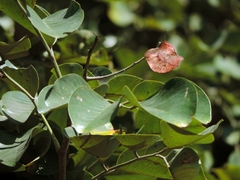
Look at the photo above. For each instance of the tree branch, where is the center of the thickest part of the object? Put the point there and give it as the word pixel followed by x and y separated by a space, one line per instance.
pixel 115 73
pixel 89 58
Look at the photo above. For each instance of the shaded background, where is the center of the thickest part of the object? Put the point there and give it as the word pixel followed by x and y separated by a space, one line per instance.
pixel 205 32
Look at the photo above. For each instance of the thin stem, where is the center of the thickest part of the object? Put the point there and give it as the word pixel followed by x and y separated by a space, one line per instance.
pixel 114 168
pixel 19 86
pixel 48 49
pixel 54 139
pixel 50 53
pixel 89 57
pixel 115 73
pixel 136 154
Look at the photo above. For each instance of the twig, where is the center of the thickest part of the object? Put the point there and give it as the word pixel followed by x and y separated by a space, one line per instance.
pixel 19 87
pixel 89 57
pixel 115 73
pixel 114 168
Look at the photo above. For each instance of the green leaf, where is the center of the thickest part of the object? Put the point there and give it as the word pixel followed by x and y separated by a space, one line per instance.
pixel 174 137
pixel 101 71
pixel 146 89
pixel 175 103
pixel 59 116
pixel 67 68
pixel 97 145
pixel 102 89
pixel 25 77
pixel 130 96
pixel 15 50
pixel 185 165
pixel 128 176
pixel 17 106
pixel 88 110
pixel 137 141
pixel 59 24
pixel 128 154
pixel 13 10
pixel 204 111
pixel 116 84
pixel 40 100
pixel 154 166
pixel 12 147
pixel 150 123
pixel 58 95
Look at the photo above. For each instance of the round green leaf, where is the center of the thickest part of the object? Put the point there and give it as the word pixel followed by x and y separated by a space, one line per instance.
pixel 116 84
pixel 60 23
pixel 62 89
pixel 185 165
pixel 102 89
pixel 149 123
pixel 88 110
pixel 40 100
pixel 17 106
pixel 204 111
pixel 13 10
pixel 175 102
pixel 146 89
pixel 67 68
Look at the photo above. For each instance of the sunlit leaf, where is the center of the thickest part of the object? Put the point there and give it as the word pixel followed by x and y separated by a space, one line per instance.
pixel 204 111
pixel 175 102
pixel 17 106
pixel 57 95
pixel 60 23
pixel 88 110
pixel 13 10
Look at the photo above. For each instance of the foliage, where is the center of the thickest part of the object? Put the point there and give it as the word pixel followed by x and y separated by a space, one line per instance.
pixel 88 122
